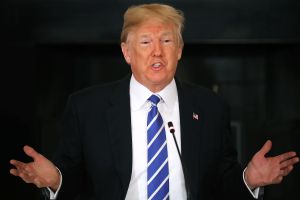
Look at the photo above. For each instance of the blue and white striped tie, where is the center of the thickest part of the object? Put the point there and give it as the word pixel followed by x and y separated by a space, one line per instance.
pixel 158 169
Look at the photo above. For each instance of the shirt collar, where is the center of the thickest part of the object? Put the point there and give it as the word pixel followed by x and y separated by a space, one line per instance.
pixel 139 94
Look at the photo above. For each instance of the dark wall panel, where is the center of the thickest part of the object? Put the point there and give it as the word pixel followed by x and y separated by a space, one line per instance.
pixel 101 21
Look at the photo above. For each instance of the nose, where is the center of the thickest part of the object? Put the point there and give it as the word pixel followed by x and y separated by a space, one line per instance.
pixel 157 49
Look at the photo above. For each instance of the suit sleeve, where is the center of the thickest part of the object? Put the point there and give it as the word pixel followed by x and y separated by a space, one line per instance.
pixel 68 157
pixel 231 183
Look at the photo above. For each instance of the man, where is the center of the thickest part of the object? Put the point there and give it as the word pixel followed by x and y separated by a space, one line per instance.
pixel 116 143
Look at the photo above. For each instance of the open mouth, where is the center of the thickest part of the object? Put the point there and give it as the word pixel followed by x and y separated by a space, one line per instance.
pixel 157 66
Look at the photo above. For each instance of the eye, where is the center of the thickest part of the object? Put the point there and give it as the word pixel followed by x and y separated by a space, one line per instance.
pixel 145 41
pixel 167 41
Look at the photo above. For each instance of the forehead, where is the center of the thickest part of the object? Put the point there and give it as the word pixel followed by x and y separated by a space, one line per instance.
pixel 153 27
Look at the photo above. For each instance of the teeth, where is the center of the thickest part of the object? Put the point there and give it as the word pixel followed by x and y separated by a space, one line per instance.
pixel 156 65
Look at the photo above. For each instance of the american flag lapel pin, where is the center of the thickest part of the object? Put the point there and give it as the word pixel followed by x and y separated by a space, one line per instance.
pixel 195 116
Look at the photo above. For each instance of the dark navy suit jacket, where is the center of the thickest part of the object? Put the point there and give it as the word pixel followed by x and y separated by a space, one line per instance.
pixel 95 153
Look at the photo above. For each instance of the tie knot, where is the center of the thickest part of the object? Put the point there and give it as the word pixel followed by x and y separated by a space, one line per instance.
pixel 154 99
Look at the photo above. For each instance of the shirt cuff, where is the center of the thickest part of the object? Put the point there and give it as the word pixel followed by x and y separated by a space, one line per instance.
pixel 254 192
pixel 53 195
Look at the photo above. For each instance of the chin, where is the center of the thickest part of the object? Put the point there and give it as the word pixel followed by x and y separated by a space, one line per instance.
pixel 157 81
pixel 161 82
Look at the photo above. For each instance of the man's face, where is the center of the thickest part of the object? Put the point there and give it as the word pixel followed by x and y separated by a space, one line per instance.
pixel 152 50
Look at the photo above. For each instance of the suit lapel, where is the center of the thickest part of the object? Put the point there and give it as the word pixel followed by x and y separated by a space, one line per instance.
pixel 191 132
pixel 119 126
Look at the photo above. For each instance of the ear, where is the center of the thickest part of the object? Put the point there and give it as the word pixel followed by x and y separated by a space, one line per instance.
pixel 125 51
pixel 179 53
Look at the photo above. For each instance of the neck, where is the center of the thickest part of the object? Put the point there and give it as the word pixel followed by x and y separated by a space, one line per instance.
pixel 155 88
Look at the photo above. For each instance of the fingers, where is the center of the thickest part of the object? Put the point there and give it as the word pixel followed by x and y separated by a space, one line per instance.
pixel 28 177
pixel 286 166
pixel 266 148
pixel 286 156
pixel 18 164
pixel 31 152
pixel 25 172
pixel 14 172
pixel 287 170
pixel 289 161
pixel 21 168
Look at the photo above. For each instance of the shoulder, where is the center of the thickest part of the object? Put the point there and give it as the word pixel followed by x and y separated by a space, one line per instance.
pixel 200 94
pixel 100 93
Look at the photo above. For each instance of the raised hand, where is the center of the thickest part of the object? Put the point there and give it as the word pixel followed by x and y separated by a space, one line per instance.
pixel 262 170
pixel 41 172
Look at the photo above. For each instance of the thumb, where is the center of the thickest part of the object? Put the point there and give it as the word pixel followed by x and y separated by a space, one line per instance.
pixel 31 152
pixel 266 148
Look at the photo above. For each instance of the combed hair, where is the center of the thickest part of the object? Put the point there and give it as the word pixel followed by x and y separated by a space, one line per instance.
pixel 136 15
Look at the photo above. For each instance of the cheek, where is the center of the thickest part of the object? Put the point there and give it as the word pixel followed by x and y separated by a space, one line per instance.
pixel 142 58
pixel 174 58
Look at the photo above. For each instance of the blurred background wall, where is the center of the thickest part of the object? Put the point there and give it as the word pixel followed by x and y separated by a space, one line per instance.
pixel 248 51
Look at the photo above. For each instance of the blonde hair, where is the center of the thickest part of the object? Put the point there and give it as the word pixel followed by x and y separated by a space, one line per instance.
pixel 136 15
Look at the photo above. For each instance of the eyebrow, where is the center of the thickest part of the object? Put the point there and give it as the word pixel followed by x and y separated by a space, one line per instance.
pixel 147 34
